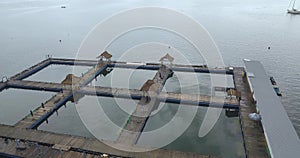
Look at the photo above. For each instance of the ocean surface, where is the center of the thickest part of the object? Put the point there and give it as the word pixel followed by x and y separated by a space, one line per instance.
pixel 31 29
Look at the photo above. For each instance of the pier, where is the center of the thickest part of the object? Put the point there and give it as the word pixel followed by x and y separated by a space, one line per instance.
pixel 51 106
pixel 136 123
pixel 243 98
pixel 47 144
pixel 56 144
pixel 32 70
pixel 168 97
pixel 254 140
pixel 144 66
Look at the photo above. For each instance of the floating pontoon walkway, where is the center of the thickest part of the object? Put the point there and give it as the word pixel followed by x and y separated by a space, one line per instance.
pixel 51 106
pixel 47 144
pixel 73 88
pixel 168 97
pixel 118 64
pixel 137 121
pixel 275 133
pixel 145 66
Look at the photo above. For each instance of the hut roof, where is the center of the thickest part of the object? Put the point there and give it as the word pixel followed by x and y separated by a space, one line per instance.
pixel 105 55
pixel 168 57
pixel 71 79
pixel 147 85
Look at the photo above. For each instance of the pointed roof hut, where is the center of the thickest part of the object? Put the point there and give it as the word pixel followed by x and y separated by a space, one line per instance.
pixel 167 57
pixel 104 55
pixel 71 79
pixel 147 86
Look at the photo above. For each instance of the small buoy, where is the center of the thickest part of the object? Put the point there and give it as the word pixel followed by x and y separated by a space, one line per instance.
pixel 60 41
pixel 269 47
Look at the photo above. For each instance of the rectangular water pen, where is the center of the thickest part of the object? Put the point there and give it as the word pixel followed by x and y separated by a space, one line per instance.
pixel 252 93
pixel 136 122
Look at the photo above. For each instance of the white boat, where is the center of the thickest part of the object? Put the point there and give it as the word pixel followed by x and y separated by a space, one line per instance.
pixel 293 10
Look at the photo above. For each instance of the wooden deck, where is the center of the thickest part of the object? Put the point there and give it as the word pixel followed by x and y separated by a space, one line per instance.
pixel 72 146
pixel 145 66
pixel 42 113
pixel 136 122
pixel 49 107
pixel 254 140
pixel 32 70
pixel 61 145
pixel 188 99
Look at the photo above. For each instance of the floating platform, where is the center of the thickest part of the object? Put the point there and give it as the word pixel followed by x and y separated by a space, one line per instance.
pixel 25 130
pixel 43 144
pixel 134 127
pixel 261 139
pixel 144 66
pixel 168 97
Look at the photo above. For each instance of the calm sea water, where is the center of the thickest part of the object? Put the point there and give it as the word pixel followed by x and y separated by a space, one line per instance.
pixel 30 29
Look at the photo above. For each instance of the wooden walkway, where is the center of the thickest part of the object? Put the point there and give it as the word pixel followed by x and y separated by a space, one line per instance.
pixel 42 113
pixel 254 140
pixel 49 108
pixel 145 66
pixel 199 100
pixel 61 145
pixel 177 98
pixel 32 70
pixel 136 122
pixel 72 146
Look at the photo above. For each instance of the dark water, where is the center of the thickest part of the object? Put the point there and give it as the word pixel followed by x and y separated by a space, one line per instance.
pixel 30 29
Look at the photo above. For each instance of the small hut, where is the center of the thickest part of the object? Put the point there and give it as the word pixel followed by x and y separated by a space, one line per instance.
pixel 145 88
pixel 147 85
pixel 167 58
pixel 73 80
pixel 105 55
